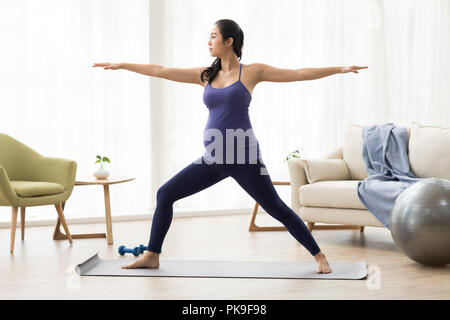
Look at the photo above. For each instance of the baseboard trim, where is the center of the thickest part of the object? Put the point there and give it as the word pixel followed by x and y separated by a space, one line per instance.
pixel 177 214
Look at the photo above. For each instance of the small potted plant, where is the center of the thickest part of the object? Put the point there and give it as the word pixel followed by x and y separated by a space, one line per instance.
pixel 295 154
pixel 101 173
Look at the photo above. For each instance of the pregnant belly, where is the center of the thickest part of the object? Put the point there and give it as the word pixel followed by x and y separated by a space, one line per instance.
pixel 231 145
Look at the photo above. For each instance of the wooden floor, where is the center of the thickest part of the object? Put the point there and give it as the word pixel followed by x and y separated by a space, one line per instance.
pixel 42 268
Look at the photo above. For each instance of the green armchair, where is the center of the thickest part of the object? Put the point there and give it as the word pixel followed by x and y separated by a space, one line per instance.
pixel 29 179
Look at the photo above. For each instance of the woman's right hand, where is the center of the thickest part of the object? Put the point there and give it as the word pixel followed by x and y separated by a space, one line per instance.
pixel 107 65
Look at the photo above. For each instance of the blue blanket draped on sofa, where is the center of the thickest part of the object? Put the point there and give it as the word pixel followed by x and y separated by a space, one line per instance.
pixel 385 155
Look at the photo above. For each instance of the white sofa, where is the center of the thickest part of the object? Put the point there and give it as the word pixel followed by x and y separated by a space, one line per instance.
pixel 324 190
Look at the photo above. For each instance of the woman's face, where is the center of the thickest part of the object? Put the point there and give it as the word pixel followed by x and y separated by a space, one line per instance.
pixel 215 41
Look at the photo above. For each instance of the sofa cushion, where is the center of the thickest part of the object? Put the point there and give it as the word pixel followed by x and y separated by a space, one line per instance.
pixel 325 170
pixel 36 188
pixel 429 151
pixel 352 150
pixel 331 194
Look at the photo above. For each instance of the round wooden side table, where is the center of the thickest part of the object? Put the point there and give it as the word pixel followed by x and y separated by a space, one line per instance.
pixel 58 235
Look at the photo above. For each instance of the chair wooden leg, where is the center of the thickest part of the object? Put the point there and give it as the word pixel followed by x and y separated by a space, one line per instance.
pixel 22 222
pixel 13 227
pixel 310 226
pixel 252 222
pixel 63 221
pixel 254 227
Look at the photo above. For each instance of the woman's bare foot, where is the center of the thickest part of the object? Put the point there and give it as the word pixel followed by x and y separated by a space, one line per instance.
pixel 148 260
pixel 322 263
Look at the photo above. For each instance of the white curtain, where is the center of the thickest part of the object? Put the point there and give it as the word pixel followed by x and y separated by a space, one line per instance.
pixel 404 43
pixel 52 100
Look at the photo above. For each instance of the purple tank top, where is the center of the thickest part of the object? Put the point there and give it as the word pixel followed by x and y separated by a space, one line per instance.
pixel 228 136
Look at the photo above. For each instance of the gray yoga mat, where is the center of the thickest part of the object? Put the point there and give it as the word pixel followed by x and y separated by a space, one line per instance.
pixel 95 266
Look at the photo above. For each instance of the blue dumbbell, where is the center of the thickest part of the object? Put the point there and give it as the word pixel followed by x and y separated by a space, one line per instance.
pixel 136 251
pixel 142 248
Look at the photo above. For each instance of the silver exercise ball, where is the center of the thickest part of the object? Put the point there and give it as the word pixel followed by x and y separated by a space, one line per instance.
pixel 420 221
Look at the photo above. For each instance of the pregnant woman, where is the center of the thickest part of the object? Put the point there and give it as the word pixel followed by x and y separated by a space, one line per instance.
pixel 231 148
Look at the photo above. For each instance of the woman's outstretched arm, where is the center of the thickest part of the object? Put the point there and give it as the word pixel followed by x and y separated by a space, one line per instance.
pixel 188 75
pixel 269 73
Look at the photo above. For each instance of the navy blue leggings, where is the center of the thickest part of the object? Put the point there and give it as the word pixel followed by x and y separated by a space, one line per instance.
pixel 199 176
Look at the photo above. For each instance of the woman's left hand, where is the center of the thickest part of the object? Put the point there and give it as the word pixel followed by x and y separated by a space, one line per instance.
pixel 352 69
